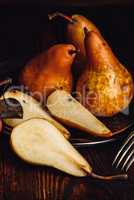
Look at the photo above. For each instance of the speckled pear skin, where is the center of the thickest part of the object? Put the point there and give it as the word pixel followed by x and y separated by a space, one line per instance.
pixel 105 87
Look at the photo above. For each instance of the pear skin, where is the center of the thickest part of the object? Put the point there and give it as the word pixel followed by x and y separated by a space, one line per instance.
pixel 105 87
pixel 49 71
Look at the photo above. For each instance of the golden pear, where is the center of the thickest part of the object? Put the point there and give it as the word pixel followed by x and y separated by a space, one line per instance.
pixel 105 87
pixel 49 71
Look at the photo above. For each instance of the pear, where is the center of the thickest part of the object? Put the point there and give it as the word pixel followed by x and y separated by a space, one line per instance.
pixel 49 71
pixel 31 109
pixel 38 142
pixel 9 110
pixel 69 111
pixel 75 33
pixel 105 87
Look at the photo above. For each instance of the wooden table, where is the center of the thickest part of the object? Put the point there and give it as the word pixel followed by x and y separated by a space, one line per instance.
pixel 21 181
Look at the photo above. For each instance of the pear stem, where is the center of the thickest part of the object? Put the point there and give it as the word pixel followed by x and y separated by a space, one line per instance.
pixel 56 14
pixel 110 178
pixel 71 51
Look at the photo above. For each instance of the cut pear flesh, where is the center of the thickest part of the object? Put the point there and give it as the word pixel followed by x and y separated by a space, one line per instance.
pixel 31 109
pixel 39 142
pixel 69 111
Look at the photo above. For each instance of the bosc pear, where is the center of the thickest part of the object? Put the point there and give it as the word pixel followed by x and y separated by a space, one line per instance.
pixel 105 87
pixel 49 71
pixel 38 142
pixel 75 31
pixel 69 111
pixel 31 108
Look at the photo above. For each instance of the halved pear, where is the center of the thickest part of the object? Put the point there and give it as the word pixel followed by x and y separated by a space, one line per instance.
pixel 39 142
pixel 69 111
pixel 31 109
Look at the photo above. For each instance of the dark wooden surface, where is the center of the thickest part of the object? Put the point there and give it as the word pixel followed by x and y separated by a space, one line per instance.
pixel 22 181
pixel 21 28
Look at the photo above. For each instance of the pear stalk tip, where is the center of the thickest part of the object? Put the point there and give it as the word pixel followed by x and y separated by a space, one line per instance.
pixel 110 178
pixel 56 14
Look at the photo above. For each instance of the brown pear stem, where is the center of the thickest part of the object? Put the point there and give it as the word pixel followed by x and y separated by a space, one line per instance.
pixel 56 14
pixel 71 51
pixel 110 178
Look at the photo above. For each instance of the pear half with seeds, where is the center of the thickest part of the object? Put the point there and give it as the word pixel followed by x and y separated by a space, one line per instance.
pixel 31 109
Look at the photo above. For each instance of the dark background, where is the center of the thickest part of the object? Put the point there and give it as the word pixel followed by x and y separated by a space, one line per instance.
pixel 24 27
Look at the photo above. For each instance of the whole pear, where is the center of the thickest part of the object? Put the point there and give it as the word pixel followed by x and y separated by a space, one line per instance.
pixel 49 71
pixel 106 86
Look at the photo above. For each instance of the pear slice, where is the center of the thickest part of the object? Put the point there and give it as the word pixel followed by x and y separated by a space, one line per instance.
pixel 39 142
pixel 31 109
pixel 69 111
